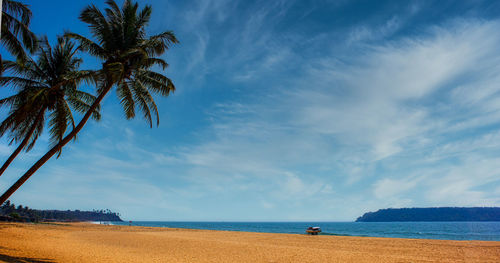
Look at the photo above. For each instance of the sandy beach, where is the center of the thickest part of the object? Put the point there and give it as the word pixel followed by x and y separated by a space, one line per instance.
pixel 84 242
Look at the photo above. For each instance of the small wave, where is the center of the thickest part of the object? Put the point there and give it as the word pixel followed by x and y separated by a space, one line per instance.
pixel 346 235
pixel 102 223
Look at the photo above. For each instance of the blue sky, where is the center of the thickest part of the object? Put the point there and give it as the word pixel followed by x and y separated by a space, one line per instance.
pixel 291 110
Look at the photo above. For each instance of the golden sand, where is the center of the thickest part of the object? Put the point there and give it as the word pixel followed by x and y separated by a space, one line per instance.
pixel 82 242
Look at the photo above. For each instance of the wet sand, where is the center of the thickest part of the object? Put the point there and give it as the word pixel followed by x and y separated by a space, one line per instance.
pixel 82 242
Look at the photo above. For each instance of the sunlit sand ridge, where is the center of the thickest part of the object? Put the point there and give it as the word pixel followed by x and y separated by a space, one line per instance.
pixel 84 242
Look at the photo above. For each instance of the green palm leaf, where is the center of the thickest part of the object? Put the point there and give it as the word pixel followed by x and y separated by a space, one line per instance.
pixel 45 86
pixel 15 32
pixel 128 55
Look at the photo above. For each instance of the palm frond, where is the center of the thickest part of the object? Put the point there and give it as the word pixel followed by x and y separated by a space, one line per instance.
pixel 37 132
pixel 155 61
pixel 15 30
pixel 126 99
pixel 28 69
pixel 12 44
pixel 141 89
pixel 17 9
pixel 158 44
pixel 156 82
pixel 82 101
pixel 58 121
pixel 138 91
pixel 18 82
pixel 88 45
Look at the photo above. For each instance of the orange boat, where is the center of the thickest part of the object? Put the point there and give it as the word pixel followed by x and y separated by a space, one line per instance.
pixel 313 230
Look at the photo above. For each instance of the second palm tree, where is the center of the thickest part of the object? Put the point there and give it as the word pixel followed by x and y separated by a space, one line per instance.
pixel 48 85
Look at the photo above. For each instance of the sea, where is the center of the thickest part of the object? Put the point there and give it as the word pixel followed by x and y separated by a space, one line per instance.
pixel 487 231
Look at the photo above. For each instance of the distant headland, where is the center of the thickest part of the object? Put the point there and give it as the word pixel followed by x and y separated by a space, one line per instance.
pixel 432 214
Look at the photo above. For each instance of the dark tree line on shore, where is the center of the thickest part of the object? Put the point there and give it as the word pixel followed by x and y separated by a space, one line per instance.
pixel 432 214
pixel 9 212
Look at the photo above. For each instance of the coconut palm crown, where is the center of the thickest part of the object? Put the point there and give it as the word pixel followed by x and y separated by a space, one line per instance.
pixel 128 55
pixel 47 86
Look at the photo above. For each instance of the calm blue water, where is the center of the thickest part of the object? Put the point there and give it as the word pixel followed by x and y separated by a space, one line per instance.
pixel 489 231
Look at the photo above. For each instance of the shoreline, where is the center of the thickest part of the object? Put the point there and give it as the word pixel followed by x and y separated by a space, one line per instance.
pixel 233 226
pixel 87 242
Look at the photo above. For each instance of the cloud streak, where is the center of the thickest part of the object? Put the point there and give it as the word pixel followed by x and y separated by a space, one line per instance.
pixel 394 102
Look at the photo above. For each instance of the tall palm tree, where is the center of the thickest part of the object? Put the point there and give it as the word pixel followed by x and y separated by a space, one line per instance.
pixel 15 32
pixel 128 57
pixel 46 86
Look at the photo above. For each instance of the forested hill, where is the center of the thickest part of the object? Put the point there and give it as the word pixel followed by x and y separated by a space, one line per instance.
pixel 9 212
pixel 432 214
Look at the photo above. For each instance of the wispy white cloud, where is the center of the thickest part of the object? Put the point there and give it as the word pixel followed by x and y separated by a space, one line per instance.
pixel 385 91
pixel 364 33
pixel 388 188
pixel 387 102
pixel 5 150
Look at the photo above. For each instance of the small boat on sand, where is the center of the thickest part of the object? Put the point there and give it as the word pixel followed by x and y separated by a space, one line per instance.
pixel 313 230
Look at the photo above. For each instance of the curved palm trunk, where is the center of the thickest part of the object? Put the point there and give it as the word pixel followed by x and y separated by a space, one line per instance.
pixel 56 148
pixel 1 63
pixel 1 4
pixel 23 143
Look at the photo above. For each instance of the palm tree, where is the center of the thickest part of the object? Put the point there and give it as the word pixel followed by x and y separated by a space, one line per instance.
pixel 46 86
pixel 128 57
pixel 15 32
